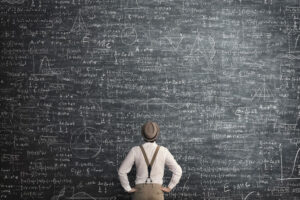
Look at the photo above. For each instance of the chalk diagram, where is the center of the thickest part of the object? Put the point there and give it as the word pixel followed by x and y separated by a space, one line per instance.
pixel 45 66
pixel 261 107
pixel 32 51
pixel 294 42
pixel 131 4
pixel 76 196
pixel 82 196
pixel 297 42
pixel 295 173
pixel 79 25
pixel 85 143
pixel 13 1
pixel 174 44
pixel 293 36
pixel 60 194
pixel 129 35
pixel 203 48
pixel 251 195
pixel 263 94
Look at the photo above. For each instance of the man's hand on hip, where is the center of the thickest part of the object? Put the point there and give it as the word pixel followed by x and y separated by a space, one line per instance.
pixel 132 190
pixel 165 189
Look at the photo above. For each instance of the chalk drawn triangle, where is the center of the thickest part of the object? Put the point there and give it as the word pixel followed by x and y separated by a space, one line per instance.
pixel 79 25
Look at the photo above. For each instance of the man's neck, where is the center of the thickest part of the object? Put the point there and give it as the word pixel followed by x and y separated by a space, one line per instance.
pixel 150 141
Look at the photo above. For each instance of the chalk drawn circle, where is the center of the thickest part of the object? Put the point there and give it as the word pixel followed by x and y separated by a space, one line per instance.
pixel 128 36
pixel 252 196
pixel 85 143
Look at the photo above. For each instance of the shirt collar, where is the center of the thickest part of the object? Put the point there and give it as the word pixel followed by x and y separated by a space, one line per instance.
pixel 150 143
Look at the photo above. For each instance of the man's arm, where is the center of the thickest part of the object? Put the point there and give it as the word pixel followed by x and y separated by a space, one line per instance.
pixel 125 169
pixel 174 168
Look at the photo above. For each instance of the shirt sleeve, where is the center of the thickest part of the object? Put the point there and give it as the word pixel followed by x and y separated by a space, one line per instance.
pixel 174 168
pixel 125 169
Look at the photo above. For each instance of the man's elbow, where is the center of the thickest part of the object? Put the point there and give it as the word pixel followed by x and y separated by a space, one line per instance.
pixel 179 171
pixel 121 172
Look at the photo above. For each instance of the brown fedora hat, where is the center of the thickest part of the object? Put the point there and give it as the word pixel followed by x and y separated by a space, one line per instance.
pixel 150 131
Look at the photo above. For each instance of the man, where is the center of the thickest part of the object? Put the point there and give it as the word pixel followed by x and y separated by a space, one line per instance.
pixel 149 175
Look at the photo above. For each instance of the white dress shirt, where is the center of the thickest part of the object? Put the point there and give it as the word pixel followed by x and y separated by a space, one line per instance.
pixel 135 156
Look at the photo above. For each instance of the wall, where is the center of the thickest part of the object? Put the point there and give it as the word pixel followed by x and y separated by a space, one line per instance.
pixel 80 77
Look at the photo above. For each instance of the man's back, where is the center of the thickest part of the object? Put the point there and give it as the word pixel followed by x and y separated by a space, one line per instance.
pixel 150 161
pixel 164 157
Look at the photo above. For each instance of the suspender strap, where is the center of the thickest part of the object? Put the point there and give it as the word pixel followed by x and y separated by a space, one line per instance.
pixel 154 156
pixel 144 154
pixel 147 161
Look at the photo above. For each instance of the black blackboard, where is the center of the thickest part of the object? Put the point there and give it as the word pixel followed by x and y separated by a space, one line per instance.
pixel 80 77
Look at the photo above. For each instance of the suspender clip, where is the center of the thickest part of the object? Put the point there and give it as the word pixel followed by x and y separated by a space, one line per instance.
pixel 147 162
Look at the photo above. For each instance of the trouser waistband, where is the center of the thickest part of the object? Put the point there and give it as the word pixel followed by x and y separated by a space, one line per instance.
pixel 144 184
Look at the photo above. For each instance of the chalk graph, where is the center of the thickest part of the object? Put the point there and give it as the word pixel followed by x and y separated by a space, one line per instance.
pixel 295 170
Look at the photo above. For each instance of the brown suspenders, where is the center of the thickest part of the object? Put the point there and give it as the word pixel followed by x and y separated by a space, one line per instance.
pixel 147 161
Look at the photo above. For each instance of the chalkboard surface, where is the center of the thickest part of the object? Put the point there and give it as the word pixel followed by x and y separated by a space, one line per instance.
pixel 80 77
